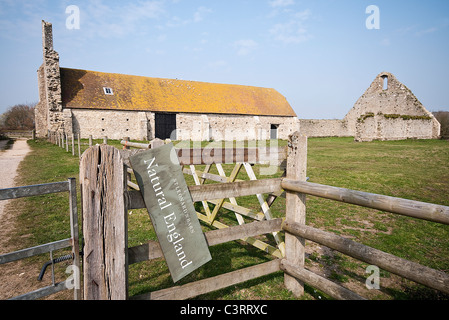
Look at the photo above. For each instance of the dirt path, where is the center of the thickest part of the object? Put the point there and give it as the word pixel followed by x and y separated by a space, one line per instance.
pixel 17 277
pixel 13 276
pixel 9 162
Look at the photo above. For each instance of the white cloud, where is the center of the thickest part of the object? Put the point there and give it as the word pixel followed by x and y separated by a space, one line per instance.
pixel 200 13
pixel 292 30
pixel 218 64
pixel 245 47
pixel 385 42
pixel 198 16
pixel 101 19
pixel 281 3
pixel 426 31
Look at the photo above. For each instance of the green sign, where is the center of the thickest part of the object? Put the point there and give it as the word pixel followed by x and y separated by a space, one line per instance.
pixel 170 206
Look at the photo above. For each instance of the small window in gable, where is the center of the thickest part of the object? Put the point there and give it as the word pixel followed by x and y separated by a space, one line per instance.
pixel 108 91
pixel 385 83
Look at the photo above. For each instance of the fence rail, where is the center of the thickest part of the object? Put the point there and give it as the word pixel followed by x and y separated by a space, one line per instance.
pixel 413 271
pixel 415 209
pixel 34 190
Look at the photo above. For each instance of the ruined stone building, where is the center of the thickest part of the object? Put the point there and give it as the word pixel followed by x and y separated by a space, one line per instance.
pixel 388 110
pixel 143 108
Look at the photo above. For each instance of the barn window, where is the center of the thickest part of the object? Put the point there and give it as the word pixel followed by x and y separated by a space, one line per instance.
pixel 274 131
pixel 108 91
pixel 385 83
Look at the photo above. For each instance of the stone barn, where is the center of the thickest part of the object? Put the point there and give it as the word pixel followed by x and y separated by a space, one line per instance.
pixel 142 108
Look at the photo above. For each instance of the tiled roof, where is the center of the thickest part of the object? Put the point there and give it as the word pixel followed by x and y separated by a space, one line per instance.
pixel 82 89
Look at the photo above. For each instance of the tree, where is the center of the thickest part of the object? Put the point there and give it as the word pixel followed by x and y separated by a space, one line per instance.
pixel 19 117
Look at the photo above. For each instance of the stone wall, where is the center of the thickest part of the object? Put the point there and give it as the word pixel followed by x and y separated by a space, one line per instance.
pixel 379 127
pixel 49 80
pixel 41 110
pixel 233 127
pixel 388 110
pixel 325 128
pixel 196 127
pixel 113 124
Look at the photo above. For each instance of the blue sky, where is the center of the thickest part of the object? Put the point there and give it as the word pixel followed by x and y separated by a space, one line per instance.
pixel 319 54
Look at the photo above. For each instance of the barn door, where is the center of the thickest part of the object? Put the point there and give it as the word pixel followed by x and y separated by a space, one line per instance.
pixel 165 124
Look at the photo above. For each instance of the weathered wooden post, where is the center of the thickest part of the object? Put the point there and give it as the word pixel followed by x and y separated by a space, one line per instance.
pixel 105 226
pixel 73 144
pixel 91 143
pixel 295 208
pixel 74 235
pixel 79 145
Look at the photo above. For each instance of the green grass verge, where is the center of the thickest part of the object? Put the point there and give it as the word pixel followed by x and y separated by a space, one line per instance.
pixel 411 169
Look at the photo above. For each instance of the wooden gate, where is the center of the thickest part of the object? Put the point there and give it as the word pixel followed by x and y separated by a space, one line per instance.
pixel 74 282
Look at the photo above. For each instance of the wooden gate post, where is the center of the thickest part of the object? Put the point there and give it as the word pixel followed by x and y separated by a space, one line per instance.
pixel 74 232
pixel 295 208
pixel 105 226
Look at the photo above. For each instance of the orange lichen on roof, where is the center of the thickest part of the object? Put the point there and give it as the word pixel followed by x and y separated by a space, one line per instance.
pixel 82 89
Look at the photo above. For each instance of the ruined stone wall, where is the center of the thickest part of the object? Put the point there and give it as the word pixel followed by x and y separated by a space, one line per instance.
pixel 379 127
pixel 49 80
pixel 40 110
pixel 325 128
pixel 388 110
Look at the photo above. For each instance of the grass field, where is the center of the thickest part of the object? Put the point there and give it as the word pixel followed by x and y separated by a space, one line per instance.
pixel 411 169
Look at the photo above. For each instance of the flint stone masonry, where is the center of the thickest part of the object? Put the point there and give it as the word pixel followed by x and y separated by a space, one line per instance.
pixel 388 110
pixel 325 128
pixel 380 127
pixel 196 127
pixel 398 114
pixel 49 113
pixel 230 127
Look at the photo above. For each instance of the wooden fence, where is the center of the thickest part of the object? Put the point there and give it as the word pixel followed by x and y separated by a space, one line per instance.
pixel 107 199
pixel 17 134
pixel 73 242
pixel 72 142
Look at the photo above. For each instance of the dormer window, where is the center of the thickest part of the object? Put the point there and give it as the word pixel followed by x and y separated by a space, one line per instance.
pixel 108 91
